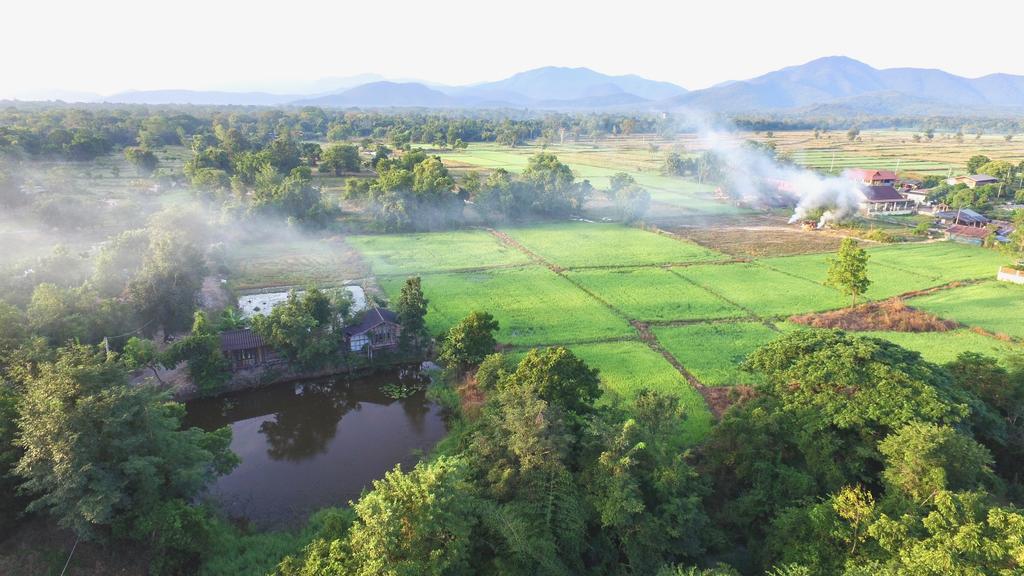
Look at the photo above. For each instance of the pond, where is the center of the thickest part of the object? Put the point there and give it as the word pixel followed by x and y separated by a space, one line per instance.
pixel 314 443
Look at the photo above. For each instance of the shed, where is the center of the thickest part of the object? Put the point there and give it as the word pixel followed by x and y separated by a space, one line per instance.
pixel 962 217
pixel 244 348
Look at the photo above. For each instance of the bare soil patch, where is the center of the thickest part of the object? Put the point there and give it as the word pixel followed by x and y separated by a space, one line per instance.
pixel 890 315
pixel 760 241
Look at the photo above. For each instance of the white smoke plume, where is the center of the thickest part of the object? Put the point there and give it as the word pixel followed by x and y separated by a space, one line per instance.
pixel 753 176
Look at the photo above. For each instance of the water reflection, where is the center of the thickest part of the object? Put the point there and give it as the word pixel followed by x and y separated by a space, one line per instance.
pixel 313 444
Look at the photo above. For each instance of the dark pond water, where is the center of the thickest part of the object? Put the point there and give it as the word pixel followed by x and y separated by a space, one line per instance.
pixel 313 443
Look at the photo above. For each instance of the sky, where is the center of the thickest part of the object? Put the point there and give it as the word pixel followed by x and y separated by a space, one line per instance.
pixel 107 46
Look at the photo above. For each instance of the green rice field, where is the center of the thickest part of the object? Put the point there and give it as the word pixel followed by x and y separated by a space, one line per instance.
pixel 762 290
pixel 655 294
pixel 435 252
pixel 713 352
pixel 533 306
pixel 707 312
pixel 994 306
pixel 578 244
pixel 628 367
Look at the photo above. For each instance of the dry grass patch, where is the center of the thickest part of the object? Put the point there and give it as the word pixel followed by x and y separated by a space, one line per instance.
pixel 890 315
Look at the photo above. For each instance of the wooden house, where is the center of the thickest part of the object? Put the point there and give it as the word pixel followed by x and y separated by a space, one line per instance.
pixel 245 349
pixel 378 330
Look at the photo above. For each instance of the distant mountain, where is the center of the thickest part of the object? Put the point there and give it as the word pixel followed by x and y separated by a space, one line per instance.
pixel 832 85
pixel 848 84
pixel 198 97
pixel 554 83
pixel 384 94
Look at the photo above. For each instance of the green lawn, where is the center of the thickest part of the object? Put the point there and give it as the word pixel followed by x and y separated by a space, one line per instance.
pixel 435 252
pixel 654 294
pixel 533 305
pixel 574 244
pixel 767 292
pixel 713 352
pixel 628 367
pixel 995 306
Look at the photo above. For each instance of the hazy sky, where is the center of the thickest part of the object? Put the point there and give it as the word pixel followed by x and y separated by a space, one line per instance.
pixel 107 46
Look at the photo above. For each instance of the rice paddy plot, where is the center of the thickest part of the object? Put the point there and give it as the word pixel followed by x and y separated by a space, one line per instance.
pixel 766 292
pixel 435 252
pixel 946 261
pixel 713 352
pixel 886 282
pixel 942 347
pixel 654 294
pixel 994 306
pixel 533 305
pixel 293 262
pixel 628 367
pixel 575 244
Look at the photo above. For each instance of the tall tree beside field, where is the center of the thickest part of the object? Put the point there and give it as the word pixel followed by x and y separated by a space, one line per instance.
pixel 469 341
pixel 848 270
pixel 412 312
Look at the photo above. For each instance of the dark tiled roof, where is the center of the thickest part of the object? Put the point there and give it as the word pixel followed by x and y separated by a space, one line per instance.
pixel 242 339
pixel 372 317
pixel 882 194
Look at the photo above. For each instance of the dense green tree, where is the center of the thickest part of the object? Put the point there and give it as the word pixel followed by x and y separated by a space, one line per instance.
pixel 100 455
pixel 340 158
pixel 924 459
pixel 118 261
pixel 560 377
pixel 165 291
pixel 647 498
pixel 469 341
pixel 145 161
pixel 411 308
pixel 11 503
pixel 207 367
pixel 493 368
pixel 848 270
pixel 974 163
pixel 421 522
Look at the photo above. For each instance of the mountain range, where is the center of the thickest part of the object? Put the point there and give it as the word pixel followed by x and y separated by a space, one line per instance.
pixel 831 85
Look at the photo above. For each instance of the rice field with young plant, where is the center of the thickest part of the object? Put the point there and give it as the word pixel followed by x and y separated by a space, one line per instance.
pixel 404 254
pixel 714 352
pixel 533 305
pixel 626 368
pixel 654 295
pixel 583 244
pixel 997 307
